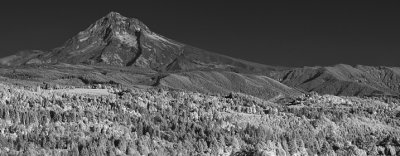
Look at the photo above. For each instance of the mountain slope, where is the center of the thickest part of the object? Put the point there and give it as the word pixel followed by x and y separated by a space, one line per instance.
pixel 344 80
pixel 225 82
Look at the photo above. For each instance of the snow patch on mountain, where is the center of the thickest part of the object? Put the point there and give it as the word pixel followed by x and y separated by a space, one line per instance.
pixel 34 61
pixel 84 49
pixel 156 37
pixel 126 38
pixel 83 39
pixel 112 58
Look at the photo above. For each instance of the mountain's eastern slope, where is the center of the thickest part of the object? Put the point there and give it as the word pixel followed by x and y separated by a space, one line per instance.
pixel 344 80
pixel 226 82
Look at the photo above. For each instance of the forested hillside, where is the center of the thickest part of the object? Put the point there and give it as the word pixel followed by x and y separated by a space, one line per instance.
pixel 113 120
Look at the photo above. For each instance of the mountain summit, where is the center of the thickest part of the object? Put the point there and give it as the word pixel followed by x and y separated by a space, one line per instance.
pixel 120 41
pixel 114 40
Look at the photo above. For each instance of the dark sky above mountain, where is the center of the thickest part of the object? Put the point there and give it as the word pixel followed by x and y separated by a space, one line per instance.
pixel 286 33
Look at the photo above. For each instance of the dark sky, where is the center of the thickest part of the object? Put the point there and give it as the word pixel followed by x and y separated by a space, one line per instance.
pixel 286 33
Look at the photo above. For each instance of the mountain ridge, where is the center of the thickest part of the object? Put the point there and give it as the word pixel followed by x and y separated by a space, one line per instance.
pixel 343 79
